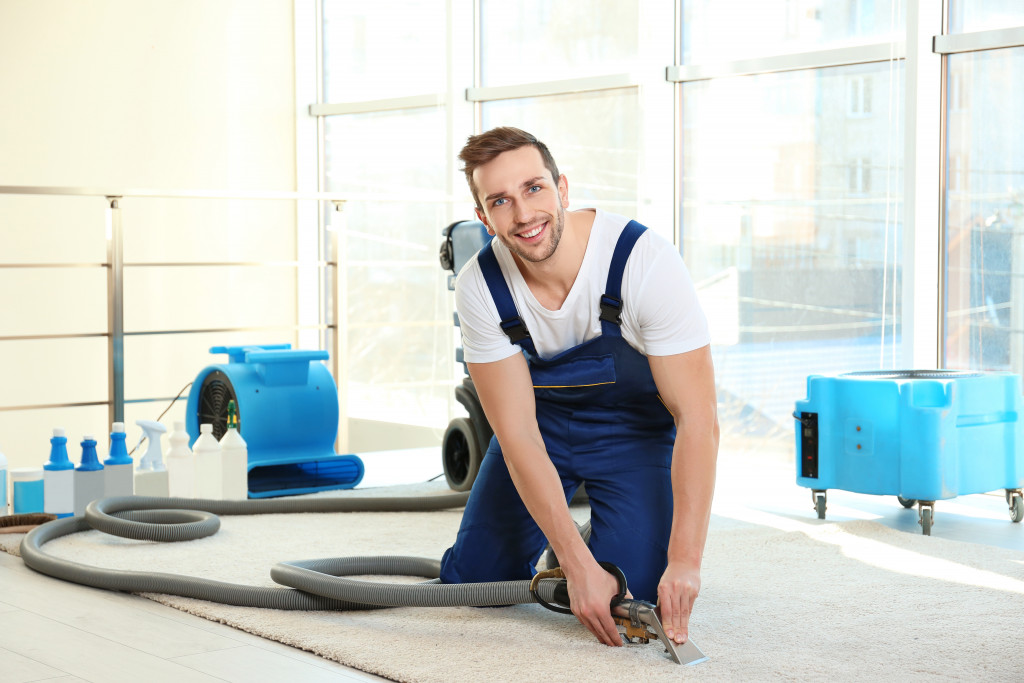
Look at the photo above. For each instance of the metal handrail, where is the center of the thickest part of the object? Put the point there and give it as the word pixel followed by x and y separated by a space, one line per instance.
pixel 115 266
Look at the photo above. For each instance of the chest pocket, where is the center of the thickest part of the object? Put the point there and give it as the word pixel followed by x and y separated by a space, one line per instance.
pixel 583 378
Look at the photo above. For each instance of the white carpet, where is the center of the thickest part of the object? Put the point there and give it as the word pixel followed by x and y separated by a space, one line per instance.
pixel 783 598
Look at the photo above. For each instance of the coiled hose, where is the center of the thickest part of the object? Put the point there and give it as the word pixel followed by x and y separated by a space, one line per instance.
pixel 311 584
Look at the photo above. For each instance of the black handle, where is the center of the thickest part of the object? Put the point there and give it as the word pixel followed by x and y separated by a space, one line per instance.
pixel 561 592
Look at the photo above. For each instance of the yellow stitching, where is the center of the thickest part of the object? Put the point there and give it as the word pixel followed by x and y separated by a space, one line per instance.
pixel 666 405
pixel 569 386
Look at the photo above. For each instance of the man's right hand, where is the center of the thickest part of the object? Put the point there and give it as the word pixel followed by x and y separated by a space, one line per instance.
pixel 591 590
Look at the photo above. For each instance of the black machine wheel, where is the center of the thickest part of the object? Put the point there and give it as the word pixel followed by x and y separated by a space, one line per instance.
pixel 926 521
pixel 906 502
pixel 1016 508
pixel 820 505
pixel 461 454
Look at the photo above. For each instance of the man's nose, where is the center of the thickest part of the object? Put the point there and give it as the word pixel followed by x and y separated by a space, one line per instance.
pixel 523 212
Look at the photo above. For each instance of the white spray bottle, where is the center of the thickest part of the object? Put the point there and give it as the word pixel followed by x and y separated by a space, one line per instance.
pixel 209 472
pixel 181 464
pixel 234 456
pixel 151 475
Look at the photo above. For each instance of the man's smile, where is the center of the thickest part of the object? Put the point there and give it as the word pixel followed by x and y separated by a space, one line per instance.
pixel 533 232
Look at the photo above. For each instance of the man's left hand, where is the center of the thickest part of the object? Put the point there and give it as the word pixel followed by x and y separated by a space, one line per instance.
pixel 677 591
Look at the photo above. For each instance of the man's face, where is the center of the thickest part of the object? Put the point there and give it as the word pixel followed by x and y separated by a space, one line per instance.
pixel 523 206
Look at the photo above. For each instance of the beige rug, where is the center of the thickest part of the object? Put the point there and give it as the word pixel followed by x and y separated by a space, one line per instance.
pixel 783 599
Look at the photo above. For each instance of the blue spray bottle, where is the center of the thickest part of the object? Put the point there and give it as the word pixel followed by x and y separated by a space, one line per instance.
pixel 119 480
pixel 89 482
pixel 59 478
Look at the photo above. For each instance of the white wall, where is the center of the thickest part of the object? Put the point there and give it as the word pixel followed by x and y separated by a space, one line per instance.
pixel 156 94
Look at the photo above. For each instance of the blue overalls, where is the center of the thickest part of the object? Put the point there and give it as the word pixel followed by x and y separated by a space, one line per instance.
pixel 603 423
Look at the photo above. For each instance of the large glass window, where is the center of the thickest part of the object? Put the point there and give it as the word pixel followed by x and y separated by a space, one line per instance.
pixel 395 305
pixel 374 50
pixel 727 30
pixel 791 225
pixel 984 316
pixel 982 15
pixel 531 41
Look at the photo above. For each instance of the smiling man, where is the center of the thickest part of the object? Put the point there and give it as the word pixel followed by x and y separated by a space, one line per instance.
pixel 590 354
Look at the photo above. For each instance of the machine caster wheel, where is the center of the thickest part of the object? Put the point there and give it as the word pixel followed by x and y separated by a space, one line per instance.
pixel 820 502
pixel 926 518
pixel 906 502
pixel 1016 507
pixel 460 454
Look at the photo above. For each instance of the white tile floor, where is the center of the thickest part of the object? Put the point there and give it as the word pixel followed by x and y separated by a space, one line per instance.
pixel 56 631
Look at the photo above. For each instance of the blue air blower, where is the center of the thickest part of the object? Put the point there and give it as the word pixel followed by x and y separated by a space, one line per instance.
pixel 287 406
pixel 920 435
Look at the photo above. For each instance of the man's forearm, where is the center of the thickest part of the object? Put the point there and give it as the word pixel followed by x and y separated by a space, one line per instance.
pixel 540 488
pixel 694 459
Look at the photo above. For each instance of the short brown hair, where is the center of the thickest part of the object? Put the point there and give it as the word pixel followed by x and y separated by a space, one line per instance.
pixel 485 147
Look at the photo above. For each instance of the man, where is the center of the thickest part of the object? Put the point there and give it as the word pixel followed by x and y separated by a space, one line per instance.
pixel 591 357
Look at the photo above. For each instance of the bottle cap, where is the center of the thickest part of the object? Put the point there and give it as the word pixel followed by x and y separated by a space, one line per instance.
pixel 179 426
pixel 26 473
pixel 117 427
pixel 206 429
pixel 58 431
pixel 90 459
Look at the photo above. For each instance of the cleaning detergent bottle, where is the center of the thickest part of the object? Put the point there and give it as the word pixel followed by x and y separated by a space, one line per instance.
pixel 59 478
pixel 27 490
pixel 234 459
pixel 89 482
pixel 118 478
pixel 181 465
pixel 3 484
pixel 151 475
pixel 209 471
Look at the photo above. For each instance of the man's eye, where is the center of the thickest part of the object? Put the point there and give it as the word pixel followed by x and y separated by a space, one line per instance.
pixel 499 202
pixel 535 188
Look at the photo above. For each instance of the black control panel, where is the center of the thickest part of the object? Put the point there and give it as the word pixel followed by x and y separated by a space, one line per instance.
pixel 808 445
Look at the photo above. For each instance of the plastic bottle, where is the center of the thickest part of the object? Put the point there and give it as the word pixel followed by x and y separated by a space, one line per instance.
pixel 208 467
pixel 151 475
pixel 119 480
pixel 59 478
pixel 27 489
pixel 3 484
pixel 181 464
pixel 89 481
pixel 234 456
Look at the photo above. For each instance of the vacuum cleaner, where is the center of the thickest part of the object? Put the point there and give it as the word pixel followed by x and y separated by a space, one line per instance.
pixel 465 439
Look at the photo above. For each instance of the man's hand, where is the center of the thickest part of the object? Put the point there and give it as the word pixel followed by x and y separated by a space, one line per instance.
pixel 677 591
pixel 591 590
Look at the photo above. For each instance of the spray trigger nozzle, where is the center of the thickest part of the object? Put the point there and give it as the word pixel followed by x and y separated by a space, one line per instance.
pixel 154 457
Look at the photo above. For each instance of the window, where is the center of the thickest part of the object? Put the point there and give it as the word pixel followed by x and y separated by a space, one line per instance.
pixel 984 319
pixel 859 96
pixel 815 264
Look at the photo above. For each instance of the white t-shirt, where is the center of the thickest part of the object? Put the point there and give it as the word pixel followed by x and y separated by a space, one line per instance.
pixel 660 312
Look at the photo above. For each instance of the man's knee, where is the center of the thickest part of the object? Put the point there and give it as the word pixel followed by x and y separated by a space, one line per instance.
pixel 479 557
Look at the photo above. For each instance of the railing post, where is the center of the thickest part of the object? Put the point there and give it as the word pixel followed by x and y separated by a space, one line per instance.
pixel 339 335
pixel 115 309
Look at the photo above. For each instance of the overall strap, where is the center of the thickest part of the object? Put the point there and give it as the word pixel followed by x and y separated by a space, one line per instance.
pixel 511 324
pixel 611 300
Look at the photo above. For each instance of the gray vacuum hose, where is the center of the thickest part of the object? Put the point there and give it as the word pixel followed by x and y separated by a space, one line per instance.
pixel 313 584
